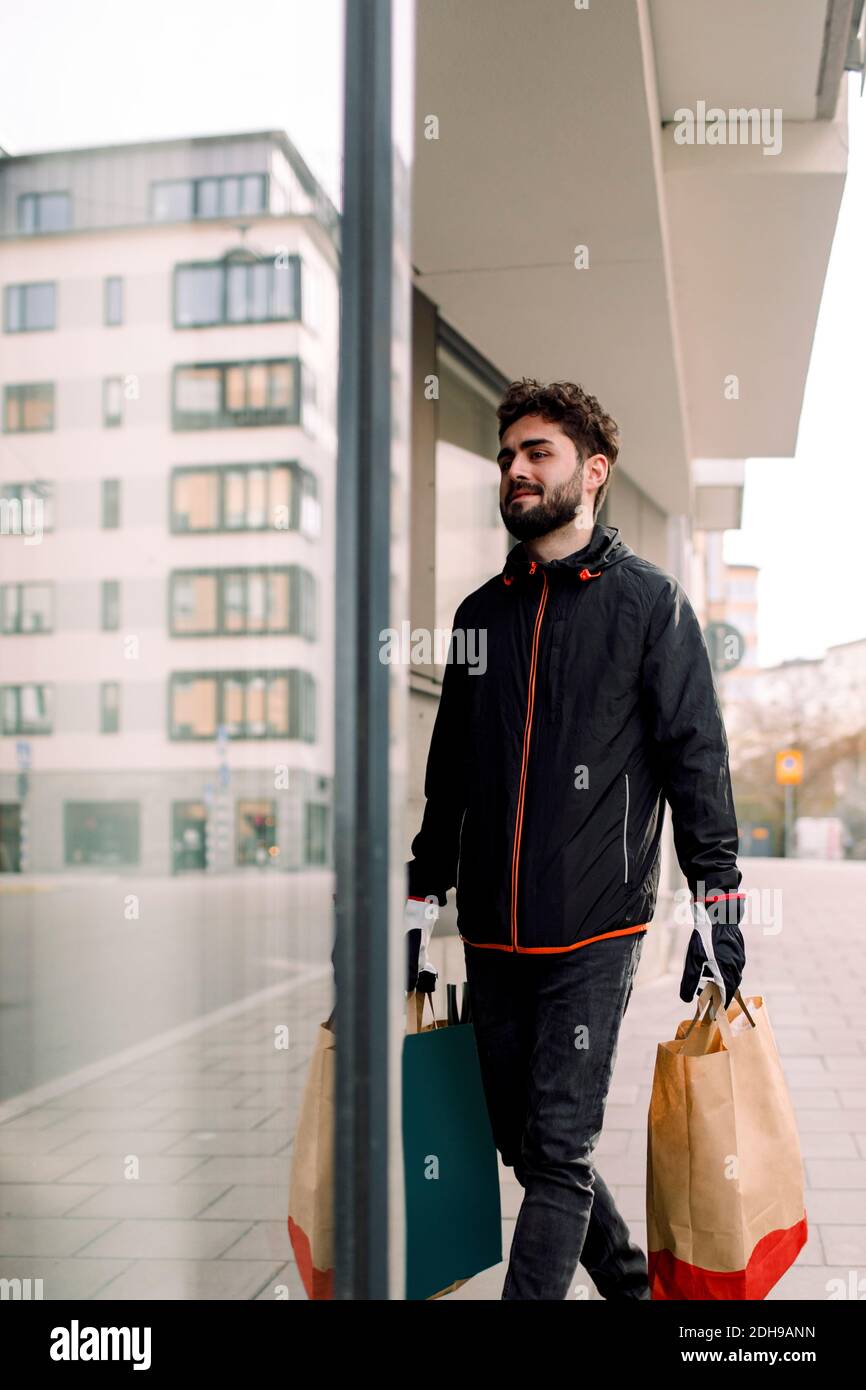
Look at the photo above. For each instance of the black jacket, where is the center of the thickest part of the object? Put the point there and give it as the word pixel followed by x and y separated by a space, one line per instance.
pixel 547 775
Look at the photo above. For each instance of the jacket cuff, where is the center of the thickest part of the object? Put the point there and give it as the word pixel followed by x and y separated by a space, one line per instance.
pixel 724 906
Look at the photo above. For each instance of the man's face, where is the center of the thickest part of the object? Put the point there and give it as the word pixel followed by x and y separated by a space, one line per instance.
pixel 541 485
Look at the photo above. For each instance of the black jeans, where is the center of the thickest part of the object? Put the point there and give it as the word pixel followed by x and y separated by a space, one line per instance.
pixel 547 1029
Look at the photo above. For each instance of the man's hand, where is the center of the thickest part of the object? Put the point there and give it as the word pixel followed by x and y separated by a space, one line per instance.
pixel 419 919
pixel 716 949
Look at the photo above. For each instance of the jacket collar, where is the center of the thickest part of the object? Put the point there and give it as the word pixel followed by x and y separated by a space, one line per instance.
pixel 603 549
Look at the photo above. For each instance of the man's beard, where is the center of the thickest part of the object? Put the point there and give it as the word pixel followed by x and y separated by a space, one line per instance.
pixel 558 508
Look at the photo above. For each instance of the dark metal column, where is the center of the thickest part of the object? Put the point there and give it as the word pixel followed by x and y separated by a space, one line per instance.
pixel 362 703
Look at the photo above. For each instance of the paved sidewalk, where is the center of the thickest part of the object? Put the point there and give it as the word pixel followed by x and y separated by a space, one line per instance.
pixel 812 975
pixel 210 1120
pixel 209 1123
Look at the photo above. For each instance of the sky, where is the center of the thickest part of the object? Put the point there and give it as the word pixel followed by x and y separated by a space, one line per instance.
pixel 802 516
pixel 116 72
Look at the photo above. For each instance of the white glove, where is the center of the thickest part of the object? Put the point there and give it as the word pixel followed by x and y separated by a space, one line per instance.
pixel 419 916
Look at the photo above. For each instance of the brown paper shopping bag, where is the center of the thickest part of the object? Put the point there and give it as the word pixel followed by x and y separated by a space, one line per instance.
pixel 725 1187
pixel 311 1184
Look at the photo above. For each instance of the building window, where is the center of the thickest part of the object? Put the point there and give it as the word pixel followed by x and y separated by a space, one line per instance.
pixel 28 308
pixel 232 395
pixel 44 212
pixel 26 509
pixel 238 602
pixel 109 707
pixel 236 291
pixel 315 834
pixel 110 605
pixel 113 301
pixel 26 709
pixel 112 402
pixel 26 608
pixel 179 200
pixel 110 504
pixel 245 704
pixel 257 832
pixel 29 407
pixel 101 832
pixel 245 497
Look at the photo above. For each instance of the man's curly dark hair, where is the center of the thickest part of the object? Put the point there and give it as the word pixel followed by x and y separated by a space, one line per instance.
pixel 581 417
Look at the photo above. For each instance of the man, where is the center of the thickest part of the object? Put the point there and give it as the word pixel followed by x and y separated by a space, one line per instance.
pixel 546 784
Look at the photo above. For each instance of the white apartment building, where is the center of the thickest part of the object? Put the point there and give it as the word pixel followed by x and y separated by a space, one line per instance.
pixel 167 463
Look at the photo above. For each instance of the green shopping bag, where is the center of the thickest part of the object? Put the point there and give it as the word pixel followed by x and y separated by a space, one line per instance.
pixel 453 1217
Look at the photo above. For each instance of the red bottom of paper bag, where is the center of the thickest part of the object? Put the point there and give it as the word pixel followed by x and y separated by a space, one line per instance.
pixel 773 1254
pixel 319 1283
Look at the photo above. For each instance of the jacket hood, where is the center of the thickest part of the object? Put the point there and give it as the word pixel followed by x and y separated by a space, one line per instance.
pixel 603 549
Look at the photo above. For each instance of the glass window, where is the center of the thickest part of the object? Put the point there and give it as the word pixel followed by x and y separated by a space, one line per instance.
pixel 256 722
pixel 193 603
pixel 29 308
pixel 29 407
pixel 236 394
pixel 27 709
pixel 257 498
pixel 236 388
pixel 256 601
pixel 279 497
pixel 234 602
pixel 110 503
pixel 471 541
pixel 44 212
pixel 256 832
pixel 233 704
pixel 193 706
pixel 196 500
pixel 112 402
pixel 285 283
pixel 315 834
pixel 257 387
pixel 36 607
pixel 310 519
pixel 253 193
pixel 54 212
pixel 277 600
pixel 198 390
pixel 207 203
pixel 245 497
pixel 233 291
pixel 26 508
pixel 278 707
pixel 281 385
pixel 198 293
pixel 10 608
pixel 104 833
pixel 173 200
pixel 258 290
pixel 110 605
pixel 113 302
pixel 109 707
pixel 227 196
pixel 231 197
pixel 235 499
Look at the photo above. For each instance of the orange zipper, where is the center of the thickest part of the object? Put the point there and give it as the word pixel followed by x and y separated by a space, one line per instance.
pixel 527 734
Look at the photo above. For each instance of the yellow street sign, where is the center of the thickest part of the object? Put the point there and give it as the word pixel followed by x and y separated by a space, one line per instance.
pixel 789 767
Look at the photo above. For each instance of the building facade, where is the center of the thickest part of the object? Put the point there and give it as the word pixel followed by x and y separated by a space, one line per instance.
pixel 167 459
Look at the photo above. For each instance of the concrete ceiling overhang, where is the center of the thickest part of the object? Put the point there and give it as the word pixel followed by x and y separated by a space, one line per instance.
pixel 750 233
pixel 549 139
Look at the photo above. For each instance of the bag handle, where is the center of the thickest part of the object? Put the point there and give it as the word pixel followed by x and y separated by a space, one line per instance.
pixel 415 1011
pixel 710 1003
